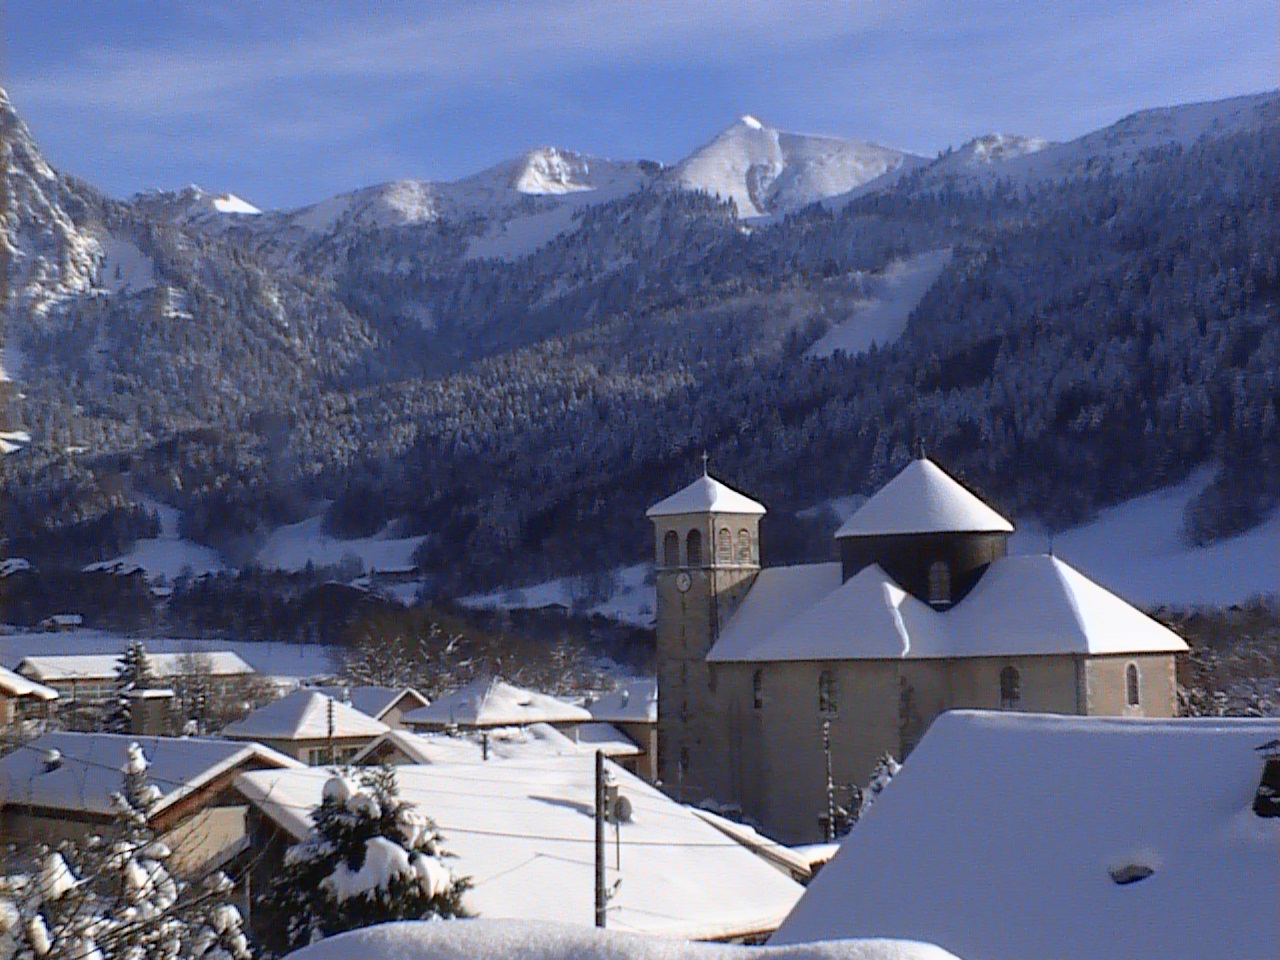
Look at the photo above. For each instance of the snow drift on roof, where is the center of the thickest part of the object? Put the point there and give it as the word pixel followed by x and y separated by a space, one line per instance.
pixel 1022 606
pixel 523 831
pixel 1039 811
pixel 495 703
pixel 305 715
pixel 535 940
pixel 88 771
pixel 705 495
pixel 635 701
pixel 923 498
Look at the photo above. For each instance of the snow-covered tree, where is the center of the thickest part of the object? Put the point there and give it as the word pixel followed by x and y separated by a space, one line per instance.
pixel 116 899
pixel 370 858
pixel 886 769
pixel 133 672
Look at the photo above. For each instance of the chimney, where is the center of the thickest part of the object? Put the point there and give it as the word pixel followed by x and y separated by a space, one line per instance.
pixel 149 711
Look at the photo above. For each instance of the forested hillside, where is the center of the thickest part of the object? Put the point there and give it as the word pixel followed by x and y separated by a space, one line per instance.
pixel 1092 337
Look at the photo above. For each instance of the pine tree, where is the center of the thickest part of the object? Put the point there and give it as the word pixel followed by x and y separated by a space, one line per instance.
pixel 133 673
pixel 885 770
pixel 370 858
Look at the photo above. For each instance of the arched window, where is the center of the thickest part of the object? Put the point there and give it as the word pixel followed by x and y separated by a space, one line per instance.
pixel 828 693
pixel 757 689
pixel 1010 688
pixel 671 549
pixel 693 549
pixel 744 546
pixel 1132 685
pixel 724 546
pixel 939 583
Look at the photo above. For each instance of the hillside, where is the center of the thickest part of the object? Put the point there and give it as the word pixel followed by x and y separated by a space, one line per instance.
pixel 512 366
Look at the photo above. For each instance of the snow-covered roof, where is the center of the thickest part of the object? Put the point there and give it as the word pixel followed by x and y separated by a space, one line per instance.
pixel 541 940
pixel 923 498
pixel 103 666
pixel 489 702
pixel 1022 606
pixel 504 743
pixel 15 685
pixel 305 715
pixel 524 829
pixel 605 737
pixel 12 565
pixel 1039 812
pixel 705 495
pixel 635 701
pixel 375 701
pixel 87 771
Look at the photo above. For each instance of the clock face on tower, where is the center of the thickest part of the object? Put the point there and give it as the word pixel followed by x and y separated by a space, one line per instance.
pixel 683 581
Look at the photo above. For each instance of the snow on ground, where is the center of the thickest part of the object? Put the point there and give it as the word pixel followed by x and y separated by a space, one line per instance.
pixel 631 596
pixel 523 940
pixel 168 555
pixel 124 266
pixel 272 658
pixel 881 320
pixel 1135 550
pixel 291 547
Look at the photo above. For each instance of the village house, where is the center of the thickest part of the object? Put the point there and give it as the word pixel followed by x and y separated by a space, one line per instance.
pixel 491 702
pixel 1008 836
pixel 633 709
pixel 500 743
pixel 766 676
pixel 23 699
pixel 523 831
pixel 90 678
pixel 309 726
pixel 388 704
pixel 61 786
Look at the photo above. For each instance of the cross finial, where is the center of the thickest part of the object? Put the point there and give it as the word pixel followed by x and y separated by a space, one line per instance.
pixel 706 459
pixel 920 454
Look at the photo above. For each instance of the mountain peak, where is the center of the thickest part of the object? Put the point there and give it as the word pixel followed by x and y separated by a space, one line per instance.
pixel 747 120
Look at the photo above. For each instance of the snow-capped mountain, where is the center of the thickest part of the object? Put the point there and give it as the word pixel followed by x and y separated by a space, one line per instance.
pixel 193 204
pixel 766 171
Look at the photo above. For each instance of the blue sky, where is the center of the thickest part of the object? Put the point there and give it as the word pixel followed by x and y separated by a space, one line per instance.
pixel 285 103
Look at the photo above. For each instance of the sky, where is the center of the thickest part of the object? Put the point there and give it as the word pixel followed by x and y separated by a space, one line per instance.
pixel 286 102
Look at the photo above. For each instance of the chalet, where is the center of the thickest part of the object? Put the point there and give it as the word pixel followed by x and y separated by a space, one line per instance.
pixel 309 726
pixel 490 702
pixel 388 704
pixel 764 674
pixel 22 699
pixel 60 786
pixel 90 678
pixel 1008 836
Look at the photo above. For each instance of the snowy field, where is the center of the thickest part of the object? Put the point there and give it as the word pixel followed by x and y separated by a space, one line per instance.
pixel 522 940
pixel 291 547
pixel 267 657
pixel 168 555
pixel 881 319
pixel 632 599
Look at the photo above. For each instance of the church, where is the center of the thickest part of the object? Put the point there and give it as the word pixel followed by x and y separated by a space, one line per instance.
pixel 767 674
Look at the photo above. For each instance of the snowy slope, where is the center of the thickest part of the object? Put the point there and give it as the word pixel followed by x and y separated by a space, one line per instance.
pixel 169 555
pixel 882 317
pixel 763 170
pixel 529 940
pixel 631 597
pixel 292 547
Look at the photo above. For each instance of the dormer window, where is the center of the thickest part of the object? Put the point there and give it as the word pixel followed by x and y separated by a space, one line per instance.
pixel 940 584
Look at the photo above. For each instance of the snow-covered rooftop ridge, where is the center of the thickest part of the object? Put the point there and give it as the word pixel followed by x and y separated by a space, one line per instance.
pixel 523 831
pixel 498 743
pixel 705 495
pixel 372 700
pixel 1022 606
pixel 542 940
pixel 305 715
pixel 82 771
pixel 635 701
pixel 53 668
pixel 491 702
pixel 15 685
pixel 923 498
pixel 1045 819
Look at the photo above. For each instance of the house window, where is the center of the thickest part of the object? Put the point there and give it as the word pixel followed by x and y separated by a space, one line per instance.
pixel 724 546
pixel 1132 685
pixel 757 689
pixel 828 693
pixel 1010 689
pixel 744 546
pixel 693 549
pixel 939 583
pixel 671 549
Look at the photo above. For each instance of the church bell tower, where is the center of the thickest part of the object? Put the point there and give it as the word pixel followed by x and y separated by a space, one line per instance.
pixel 707 554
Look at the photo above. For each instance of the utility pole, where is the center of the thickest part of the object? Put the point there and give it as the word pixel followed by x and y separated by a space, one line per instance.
pixel 600 814
pixel 332 756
